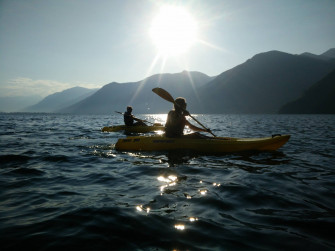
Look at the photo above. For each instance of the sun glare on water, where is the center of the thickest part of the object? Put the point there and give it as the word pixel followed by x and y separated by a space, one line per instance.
pixel 173 31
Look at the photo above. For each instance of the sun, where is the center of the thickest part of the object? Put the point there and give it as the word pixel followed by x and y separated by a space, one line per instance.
pixel 173 31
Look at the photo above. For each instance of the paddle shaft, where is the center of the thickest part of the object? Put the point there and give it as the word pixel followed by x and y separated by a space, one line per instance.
pixel 194 119
pixel 137 118
pixel 167 96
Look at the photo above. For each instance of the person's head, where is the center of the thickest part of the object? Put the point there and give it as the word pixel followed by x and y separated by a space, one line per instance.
pixel 180 104
pixel 129 109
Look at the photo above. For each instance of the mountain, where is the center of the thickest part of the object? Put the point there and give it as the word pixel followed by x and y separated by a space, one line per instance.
pixel 59 100
pixel 17 103
pixel 263 83
pixel 320 98
pixel 115 96
pixel 328 55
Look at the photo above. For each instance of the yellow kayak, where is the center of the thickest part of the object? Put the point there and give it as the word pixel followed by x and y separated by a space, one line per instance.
pixel 204 145
pixel 135 129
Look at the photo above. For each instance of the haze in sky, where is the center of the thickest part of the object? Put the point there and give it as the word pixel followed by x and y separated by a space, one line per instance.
pixel 52 45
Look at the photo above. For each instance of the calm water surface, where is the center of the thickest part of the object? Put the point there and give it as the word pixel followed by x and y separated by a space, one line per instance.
pixel 62 185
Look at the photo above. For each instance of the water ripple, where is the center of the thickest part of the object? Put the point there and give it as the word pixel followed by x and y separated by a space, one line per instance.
pixel 63 185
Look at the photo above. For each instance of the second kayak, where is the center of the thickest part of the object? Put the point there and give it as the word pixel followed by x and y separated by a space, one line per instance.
pixel 213 145
pixel 134 129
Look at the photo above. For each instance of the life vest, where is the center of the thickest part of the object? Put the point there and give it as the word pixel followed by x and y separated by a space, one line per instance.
pixel 128 119
pixel 175 124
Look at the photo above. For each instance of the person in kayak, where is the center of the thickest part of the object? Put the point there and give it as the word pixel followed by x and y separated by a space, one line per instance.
pixel 176 121
pixel 129 118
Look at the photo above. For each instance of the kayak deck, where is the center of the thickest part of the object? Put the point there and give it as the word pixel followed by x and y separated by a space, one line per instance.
pixel 135 129
pixel 204 145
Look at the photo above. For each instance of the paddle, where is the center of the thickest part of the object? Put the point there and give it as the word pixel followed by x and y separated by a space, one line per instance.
pixel 165 95
pixel 138 119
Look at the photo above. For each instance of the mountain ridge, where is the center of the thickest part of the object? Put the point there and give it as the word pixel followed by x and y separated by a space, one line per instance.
pixel 116 96
pixel 262 84
pixel 59 100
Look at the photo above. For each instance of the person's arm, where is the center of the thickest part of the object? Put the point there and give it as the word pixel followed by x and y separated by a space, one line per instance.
pixel 139 120
pixel 132 117
pixel 195 128
pixel 127 115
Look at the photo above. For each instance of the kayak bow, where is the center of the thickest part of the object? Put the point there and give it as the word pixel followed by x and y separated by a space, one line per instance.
pixel 204 145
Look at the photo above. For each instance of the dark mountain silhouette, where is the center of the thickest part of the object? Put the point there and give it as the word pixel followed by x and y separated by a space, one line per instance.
pixel 115 96
pixel 263 83
pixel 320 98
pixel 328 55
pixel 311 55
pixel 59 100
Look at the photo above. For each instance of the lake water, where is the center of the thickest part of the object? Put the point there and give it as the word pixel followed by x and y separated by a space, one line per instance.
pixel 62 185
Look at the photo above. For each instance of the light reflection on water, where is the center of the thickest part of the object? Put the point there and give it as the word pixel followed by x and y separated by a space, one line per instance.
pixel 156 118
pixel 171 180
pixel 140 208
pixel 192 219
pixel 180 226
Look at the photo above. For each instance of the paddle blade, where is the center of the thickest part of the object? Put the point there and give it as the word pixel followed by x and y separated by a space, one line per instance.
pixel 163 94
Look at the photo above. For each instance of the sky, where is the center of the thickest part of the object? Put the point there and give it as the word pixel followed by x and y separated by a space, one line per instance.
pixel 48 46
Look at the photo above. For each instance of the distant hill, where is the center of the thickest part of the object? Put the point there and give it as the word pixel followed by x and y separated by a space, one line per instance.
pixel 263 83
pixel 320 98
pixel 59 100
pixel 17 103
pixel 115 96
